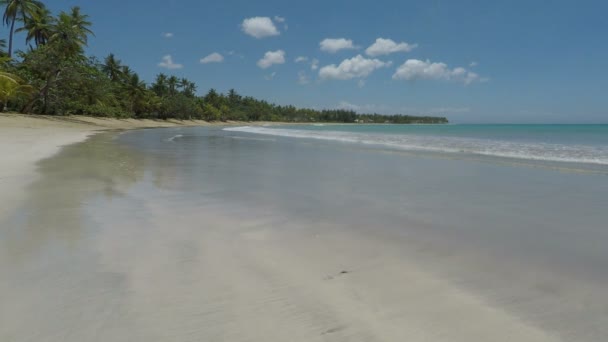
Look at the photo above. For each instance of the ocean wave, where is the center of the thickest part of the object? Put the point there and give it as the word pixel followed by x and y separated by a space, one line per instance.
pixel 453 145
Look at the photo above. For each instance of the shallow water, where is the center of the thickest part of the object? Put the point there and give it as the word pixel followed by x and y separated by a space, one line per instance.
pixel 77 258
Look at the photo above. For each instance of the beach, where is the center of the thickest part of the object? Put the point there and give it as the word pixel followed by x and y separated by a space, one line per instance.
pixel 25 139
pixel 201 233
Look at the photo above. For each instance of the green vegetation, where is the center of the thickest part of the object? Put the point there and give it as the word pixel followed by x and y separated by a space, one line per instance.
pixel 55 77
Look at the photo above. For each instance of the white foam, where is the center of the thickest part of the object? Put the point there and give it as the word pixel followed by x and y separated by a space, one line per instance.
pixel 175 137
pixel 486 147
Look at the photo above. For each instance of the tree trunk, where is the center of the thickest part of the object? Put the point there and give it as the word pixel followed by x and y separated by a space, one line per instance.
pixel 10 37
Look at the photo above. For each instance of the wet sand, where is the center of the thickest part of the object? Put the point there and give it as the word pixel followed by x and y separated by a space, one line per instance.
pixel 26 139
pixel 102 248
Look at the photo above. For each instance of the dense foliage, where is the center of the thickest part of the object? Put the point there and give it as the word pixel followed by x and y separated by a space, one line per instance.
pixel 55 77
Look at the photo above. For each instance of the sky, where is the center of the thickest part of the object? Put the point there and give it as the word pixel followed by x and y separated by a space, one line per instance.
pixel 472 61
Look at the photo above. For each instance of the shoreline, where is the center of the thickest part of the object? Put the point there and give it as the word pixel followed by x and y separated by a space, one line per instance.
pixel 246 272
pixel 27 139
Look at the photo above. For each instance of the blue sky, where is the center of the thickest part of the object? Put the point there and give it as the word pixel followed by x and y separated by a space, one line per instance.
pixel 473 61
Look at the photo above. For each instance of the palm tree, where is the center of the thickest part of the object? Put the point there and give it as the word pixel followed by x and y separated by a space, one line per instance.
pixel 183 82
pixel 189 89
pixel 135 90
pixel 160 85
pixel 15 10
pixel 39 26
pixel 81 23
pixel 126 73
pixel 72 30
pixel 11 86
pixel 112 67
pixel 172 83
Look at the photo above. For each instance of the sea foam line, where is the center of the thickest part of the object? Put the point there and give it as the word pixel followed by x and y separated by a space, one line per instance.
pixel 486 147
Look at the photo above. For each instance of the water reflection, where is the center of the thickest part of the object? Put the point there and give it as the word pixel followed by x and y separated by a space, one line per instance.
pixel 53 209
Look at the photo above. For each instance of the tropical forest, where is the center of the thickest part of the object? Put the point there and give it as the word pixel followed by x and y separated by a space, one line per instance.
pixel 55 76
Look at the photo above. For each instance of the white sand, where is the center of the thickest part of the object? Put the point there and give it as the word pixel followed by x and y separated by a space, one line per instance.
pixel 24 141
pixel 235 277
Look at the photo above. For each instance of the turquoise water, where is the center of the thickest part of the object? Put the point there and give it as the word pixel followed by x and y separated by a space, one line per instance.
pixel 587 144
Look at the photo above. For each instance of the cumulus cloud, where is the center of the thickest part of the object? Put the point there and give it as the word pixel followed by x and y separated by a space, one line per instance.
pixel 333 45
pixel 259 27
pixel 213 58
pixel 356 67
pixel 167 34
pixel 314 64
pixel 414 69
pixel 387 46
pixel 301 59
pixel 272 57
pixel 281 20
pixel 167 62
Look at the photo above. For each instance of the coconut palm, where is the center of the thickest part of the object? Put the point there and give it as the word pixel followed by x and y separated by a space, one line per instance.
pixel 127 72
pixel 172 83
pixel 160 85
pixel 189 89
pixel 81 23
pixel 39 26
pixel 72 30
pixel 112 67
pixel 11 86
pixel 135 89
pixel 17 10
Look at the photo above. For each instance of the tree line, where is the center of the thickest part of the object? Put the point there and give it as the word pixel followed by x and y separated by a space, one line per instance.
pixel 54 76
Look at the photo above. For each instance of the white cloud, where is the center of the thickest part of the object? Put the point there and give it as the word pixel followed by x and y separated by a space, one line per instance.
pixel 473 64
pixel 270 76
pixel 387 46
pixel 303 78
pixel 167 34
pixel 414 69
pixel 212 58
pixel 333 45
pixel 356 67
pixel 167 62
pixel 272 57
pixel 259 27
pixel 361 83
pixel 314 63
pixel 281 20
